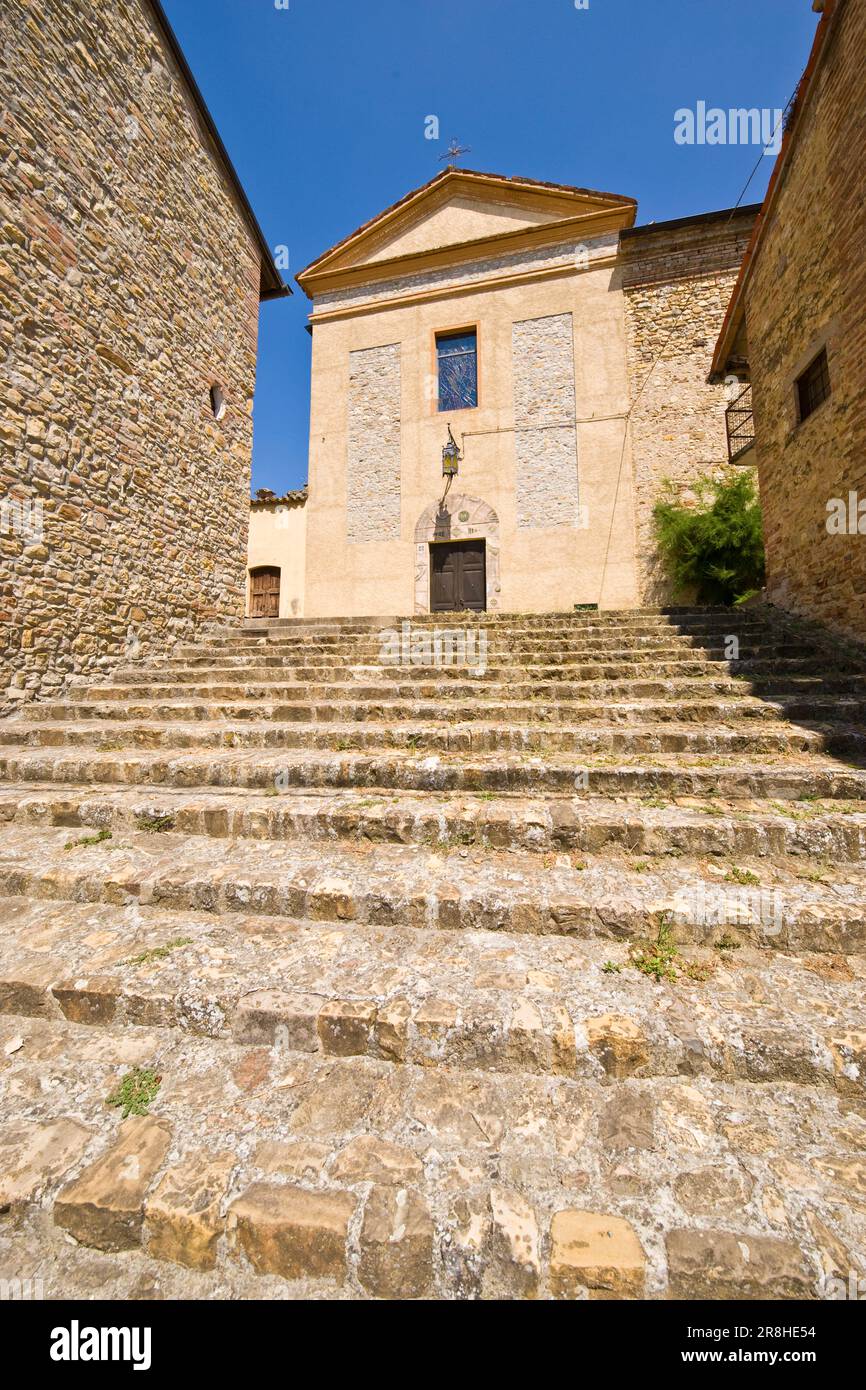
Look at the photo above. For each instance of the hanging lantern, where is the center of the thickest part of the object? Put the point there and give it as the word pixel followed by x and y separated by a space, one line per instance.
pixel 450 457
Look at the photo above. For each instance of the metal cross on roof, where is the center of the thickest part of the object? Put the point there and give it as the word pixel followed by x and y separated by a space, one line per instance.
pixel 454 152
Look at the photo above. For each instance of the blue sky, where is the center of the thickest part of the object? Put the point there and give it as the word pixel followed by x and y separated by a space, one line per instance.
pixel 322 108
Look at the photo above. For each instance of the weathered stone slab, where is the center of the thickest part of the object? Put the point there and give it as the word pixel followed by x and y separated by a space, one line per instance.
pixel 396 1258
pixel 599 1253
pixel 182 1215
pixel 345 1027
pixel 34 1155
pixel 293 1232
pixel 93 1000
pixel 104 1206
pixel 512 1258
pixel 278 1018
pixel 618 1043
pixel 296 1158
pixel 718 1265
pixel 370 1159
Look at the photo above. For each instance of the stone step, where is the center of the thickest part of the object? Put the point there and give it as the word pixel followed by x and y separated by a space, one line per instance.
pixel 566 617
pixel 656 659
pixel 631 637
pixel 132 678
pixel 410 886
pixel 418 735
pixel 258 660
pixel 549 1011
pixel 627 620
pixel 541 683
pixel 709 663
pixel 128 681
pixel 256 1170
pixel 592 640
pixel 267 655
pixel 664 775
pixel 324 669
pixel 610 649
pixel 413 996
pixel 379 704
pixel 826 832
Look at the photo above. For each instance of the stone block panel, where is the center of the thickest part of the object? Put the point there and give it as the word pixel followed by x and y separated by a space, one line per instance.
pixel 546 482
pixel 374 437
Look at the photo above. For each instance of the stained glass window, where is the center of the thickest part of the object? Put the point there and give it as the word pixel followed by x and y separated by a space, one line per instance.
pixel 458 370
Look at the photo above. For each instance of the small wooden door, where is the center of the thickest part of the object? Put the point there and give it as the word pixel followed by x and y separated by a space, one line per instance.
pixel 265 592
pixel 458 578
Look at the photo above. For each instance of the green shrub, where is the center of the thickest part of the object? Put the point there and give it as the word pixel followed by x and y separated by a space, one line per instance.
pixel 717 547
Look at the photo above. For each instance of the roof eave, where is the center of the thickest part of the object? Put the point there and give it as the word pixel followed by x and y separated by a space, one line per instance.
pixel 271 283
pixel 700 219
pixel 498 181
pixel 829 11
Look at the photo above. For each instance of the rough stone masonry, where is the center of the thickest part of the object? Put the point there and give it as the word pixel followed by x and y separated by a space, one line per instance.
pixel 130 279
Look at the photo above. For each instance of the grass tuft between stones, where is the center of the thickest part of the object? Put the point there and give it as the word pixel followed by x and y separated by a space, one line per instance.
pixel 85 840
pixel 136 1091
pixel 744 876
pixel 159 952
pixel 155 825
pixel 658 958
pixel 661 959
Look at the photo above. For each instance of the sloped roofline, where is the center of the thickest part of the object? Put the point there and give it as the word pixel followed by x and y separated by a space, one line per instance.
pixel 829 11
pixel 470 175
pixel 271 283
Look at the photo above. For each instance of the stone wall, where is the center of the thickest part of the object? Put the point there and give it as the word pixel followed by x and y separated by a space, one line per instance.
pixel 545 437
pixel 129 284
pixel 374 456
pixel 807 290
pixel 677 282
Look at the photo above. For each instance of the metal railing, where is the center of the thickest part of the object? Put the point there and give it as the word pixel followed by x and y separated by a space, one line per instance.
pixel 740 424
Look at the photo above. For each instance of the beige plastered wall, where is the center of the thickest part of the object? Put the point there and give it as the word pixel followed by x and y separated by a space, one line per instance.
pixel 278 537
pixel 541 568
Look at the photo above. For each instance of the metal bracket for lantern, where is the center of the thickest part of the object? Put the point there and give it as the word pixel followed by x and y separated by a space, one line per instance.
pixel 450 457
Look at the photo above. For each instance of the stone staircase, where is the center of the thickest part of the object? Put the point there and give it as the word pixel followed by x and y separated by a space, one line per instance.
pixel 534 976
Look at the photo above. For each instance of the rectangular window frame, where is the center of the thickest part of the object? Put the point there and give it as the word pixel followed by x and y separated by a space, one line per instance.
pixel 453 333
pixel 805 389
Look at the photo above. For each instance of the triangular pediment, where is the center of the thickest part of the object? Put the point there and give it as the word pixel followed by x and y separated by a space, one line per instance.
pixel 460 215
pixel 461 219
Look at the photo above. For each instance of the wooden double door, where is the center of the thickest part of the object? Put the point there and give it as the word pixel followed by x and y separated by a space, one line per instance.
pixel 458 577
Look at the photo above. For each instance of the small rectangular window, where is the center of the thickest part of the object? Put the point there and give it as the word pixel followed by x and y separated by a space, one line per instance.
pixel 813 387
pixel 457 357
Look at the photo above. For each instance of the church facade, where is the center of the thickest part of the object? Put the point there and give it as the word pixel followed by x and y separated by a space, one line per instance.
pixel 486 432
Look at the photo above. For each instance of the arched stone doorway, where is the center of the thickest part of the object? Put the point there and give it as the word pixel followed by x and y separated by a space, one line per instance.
pixel 458 518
